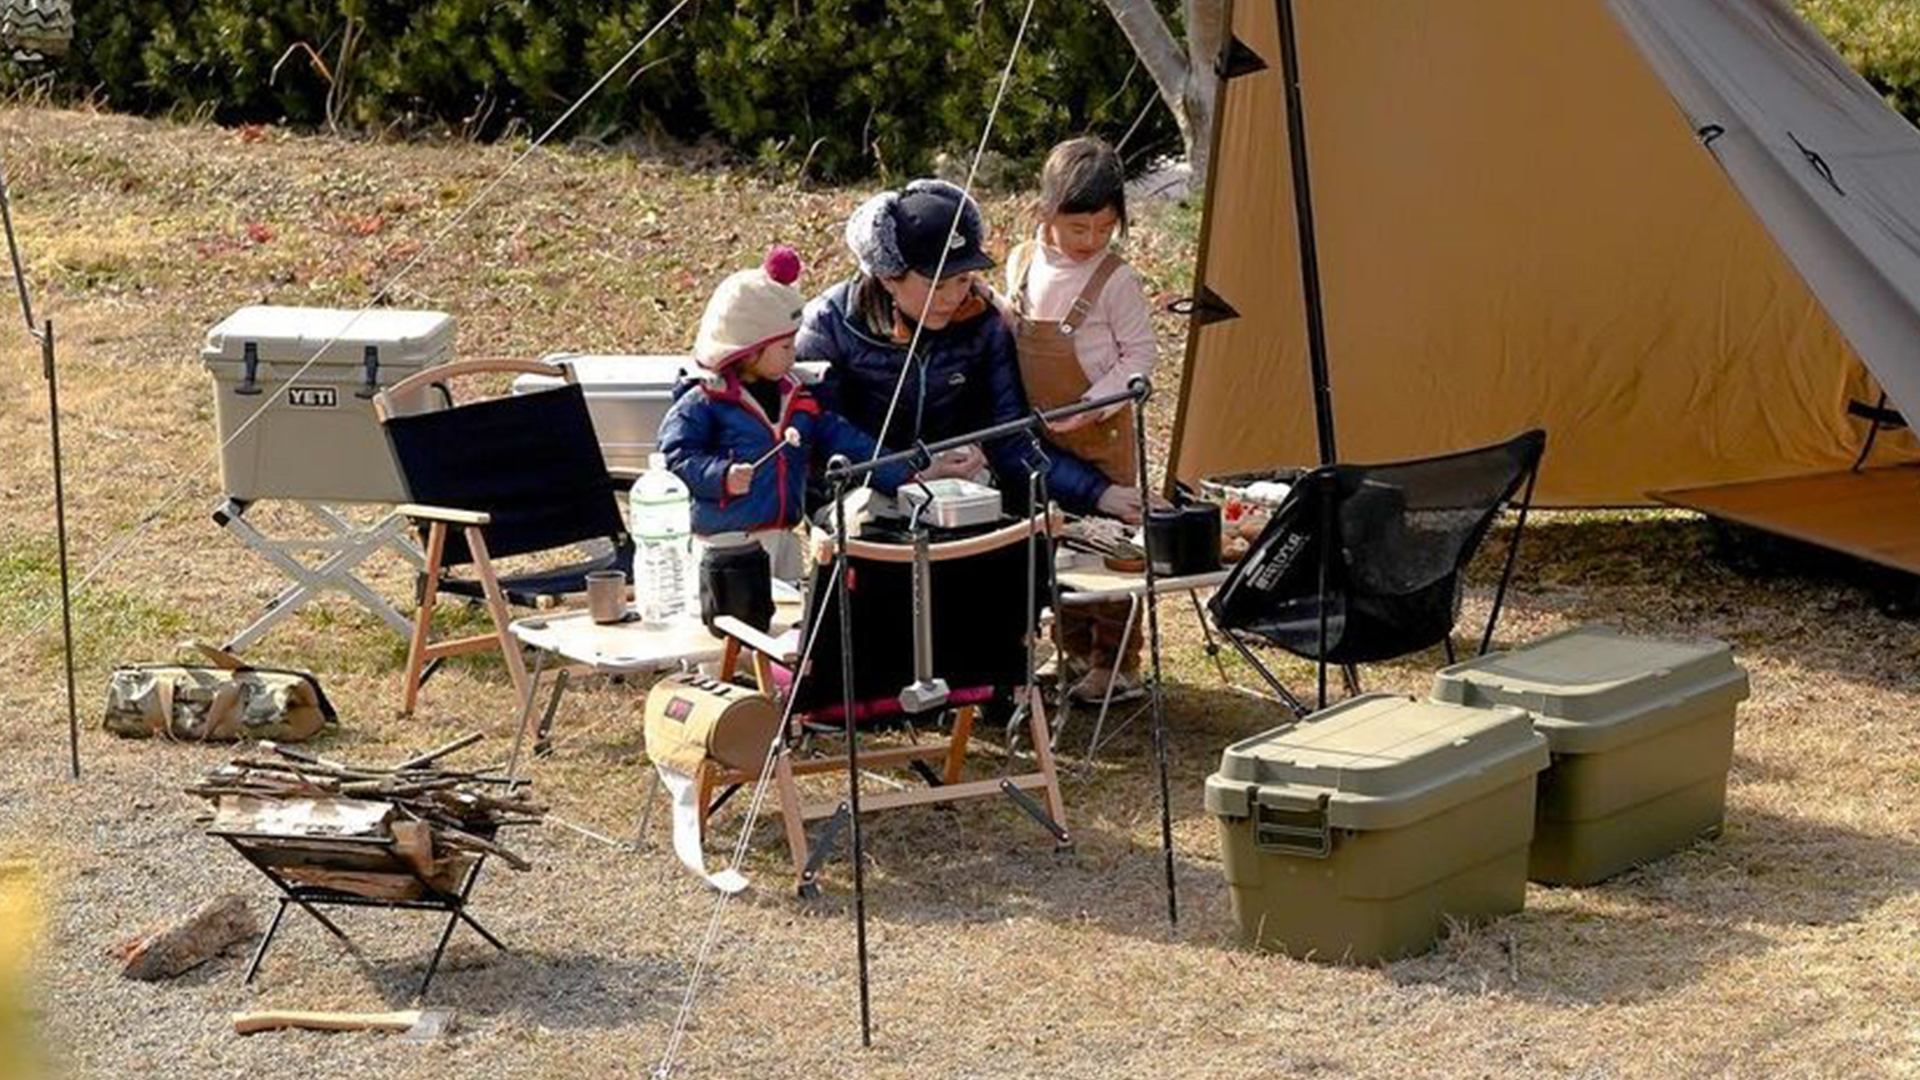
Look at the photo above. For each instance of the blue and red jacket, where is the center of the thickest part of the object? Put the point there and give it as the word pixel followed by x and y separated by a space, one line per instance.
pixel 715 423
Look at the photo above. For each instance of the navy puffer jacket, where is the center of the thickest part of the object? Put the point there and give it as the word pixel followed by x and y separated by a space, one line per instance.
pixel 965 376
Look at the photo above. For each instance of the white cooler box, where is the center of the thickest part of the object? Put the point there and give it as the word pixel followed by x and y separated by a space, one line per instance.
pixel 319 439
pixel 627 396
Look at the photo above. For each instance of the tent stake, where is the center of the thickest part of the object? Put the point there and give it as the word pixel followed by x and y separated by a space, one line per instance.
pixel 1309 244
pixel 44 335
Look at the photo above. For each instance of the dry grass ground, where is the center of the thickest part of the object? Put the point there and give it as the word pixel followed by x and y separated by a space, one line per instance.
pixel 1790 946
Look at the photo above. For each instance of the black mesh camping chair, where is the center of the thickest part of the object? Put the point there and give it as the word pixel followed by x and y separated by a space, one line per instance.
pixel 1390 582
pixel 981 625
pixel 495 478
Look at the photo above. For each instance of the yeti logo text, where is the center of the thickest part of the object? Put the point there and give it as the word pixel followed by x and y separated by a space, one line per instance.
pixel 312 397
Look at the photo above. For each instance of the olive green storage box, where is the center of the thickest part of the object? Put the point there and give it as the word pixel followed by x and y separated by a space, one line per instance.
pixel 1642 736
pixel 1356 833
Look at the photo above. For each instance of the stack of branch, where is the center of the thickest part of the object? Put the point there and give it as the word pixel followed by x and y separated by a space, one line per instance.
pixel 326 820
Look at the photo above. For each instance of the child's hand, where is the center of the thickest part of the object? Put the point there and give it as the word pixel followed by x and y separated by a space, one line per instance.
pixel 739 479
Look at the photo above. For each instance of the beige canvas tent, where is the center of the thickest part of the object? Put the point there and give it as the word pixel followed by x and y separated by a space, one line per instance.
pixel 1555 213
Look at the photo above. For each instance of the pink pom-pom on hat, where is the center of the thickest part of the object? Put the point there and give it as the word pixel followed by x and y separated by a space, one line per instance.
pixel 782 265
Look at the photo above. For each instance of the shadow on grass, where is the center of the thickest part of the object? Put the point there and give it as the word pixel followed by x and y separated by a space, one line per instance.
pixel 1658 928
pixel 566 989
pixel 563 990
pixel 984 860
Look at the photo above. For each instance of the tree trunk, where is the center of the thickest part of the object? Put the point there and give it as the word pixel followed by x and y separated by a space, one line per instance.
pixel 1184 78
pixel 1206 40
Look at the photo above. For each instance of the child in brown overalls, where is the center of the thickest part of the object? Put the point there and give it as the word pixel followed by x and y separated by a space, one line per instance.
pixel 1085 330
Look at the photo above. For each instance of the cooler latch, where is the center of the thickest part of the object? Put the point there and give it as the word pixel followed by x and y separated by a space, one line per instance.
pixel 1291 826
pixel 250 370
pixel 370 373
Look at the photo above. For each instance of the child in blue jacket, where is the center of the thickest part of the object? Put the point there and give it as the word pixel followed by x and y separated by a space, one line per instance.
pixel 743 438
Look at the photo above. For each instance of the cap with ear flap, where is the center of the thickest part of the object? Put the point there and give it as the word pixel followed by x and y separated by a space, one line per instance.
pixel 751 310
pixel 930 227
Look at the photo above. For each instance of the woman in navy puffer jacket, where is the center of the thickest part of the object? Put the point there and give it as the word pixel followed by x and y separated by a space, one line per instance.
pixel 965 374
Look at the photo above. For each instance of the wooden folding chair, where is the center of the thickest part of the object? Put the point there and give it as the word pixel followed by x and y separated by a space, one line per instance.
pixel 495 478
pixel 982 623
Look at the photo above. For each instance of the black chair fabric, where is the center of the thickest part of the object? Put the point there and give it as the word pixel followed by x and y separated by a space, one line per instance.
pixel 1403 533
pixel 529 461
pixel 980 625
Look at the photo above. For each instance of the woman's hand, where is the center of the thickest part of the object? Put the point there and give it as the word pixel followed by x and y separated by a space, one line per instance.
pixel 963 463
pixel 1121 502
pixel 739 479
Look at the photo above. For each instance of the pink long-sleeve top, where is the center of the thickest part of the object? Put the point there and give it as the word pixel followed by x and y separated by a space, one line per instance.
pixel 1116 341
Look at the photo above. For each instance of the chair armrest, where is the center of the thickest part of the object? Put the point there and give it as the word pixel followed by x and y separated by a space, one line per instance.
pixel 759 642
pixel 625 472
pixel 444 513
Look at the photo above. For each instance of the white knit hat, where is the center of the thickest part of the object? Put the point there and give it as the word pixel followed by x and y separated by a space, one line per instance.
pixel 750 310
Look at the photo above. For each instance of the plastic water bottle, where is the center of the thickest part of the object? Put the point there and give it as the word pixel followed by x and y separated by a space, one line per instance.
pixel 662 524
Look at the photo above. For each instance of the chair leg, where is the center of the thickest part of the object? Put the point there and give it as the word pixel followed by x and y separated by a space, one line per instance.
pixel 703 796
pixel 1513 557
pixel 1043 754
pixel 957 745
pixel 497 608
pixel 1273 682
pixel 790 819
pixel 423 618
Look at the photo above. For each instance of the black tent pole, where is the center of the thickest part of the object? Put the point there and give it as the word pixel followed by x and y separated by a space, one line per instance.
pixel 843 581
pixel 44 335
pixel 1309 246
pixel 1138 386
pixel 60 528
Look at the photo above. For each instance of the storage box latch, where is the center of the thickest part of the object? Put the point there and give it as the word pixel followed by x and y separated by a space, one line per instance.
pixel 250 370
pixel 1290 826
pixel 370 373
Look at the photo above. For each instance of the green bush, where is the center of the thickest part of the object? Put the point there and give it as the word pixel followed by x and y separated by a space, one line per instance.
pixel 1881 39
pixel 841 87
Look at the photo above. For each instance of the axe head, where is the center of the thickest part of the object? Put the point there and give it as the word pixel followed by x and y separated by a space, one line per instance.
pixel 433 1024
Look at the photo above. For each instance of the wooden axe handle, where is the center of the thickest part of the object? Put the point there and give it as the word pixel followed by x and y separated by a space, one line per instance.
pixel 247 1023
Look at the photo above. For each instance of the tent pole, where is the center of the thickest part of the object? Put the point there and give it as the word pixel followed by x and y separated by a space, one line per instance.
pixel 843 578
pixel 1309 245
pixel 44 335
pixel 60 528
pixel 1157 700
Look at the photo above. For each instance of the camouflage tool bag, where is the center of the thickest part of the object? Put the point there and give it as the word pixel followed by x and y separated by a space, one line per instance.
pixel 222 701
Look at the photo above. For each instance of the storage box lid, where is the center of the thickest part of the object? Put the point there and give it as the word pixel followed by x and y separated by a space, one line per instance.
pixel 605 372
pixel 1378 761
pixel 1594 688
pixel 282 334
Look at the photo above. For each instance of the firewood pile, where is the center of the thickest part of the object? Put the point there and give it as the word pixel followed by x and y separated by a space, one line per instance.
pixel 391 832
